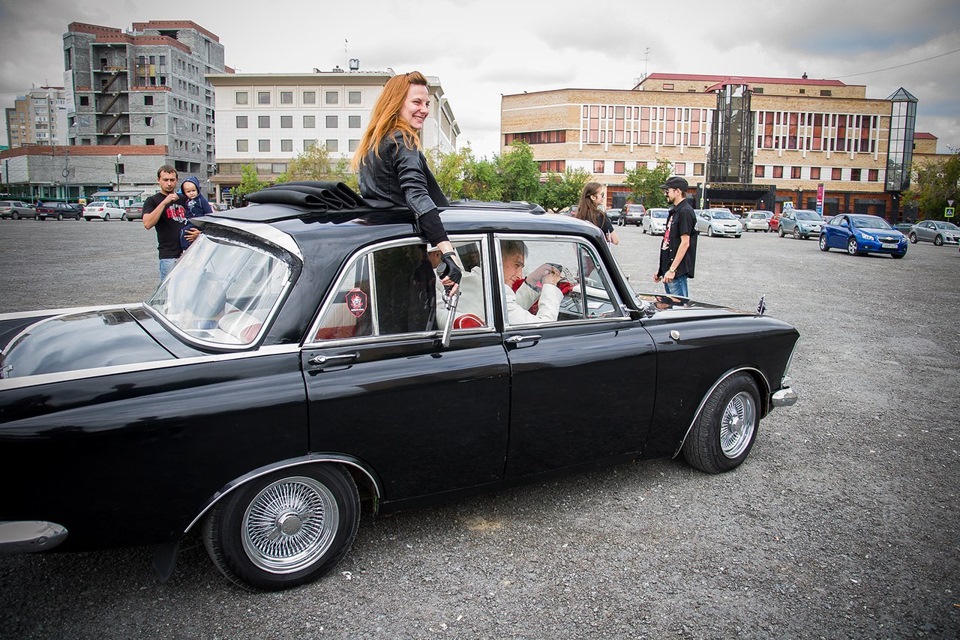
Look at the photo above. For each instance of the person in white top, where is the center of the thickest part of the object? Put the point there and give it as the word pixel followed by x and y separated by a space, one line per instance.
pixel 471 289
pixel 518 303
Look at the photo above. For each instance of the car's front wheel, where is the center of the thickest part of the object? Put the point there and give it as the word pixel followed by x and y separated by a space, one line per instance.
pixel 15 215
pixel 780 232
pixel 823 243
pixel 938 241
pixel 285 529
pixel 710 231
pixel 913 238
pixel 852 248
pixel 724 433
pixel 796 233
pixel 124 217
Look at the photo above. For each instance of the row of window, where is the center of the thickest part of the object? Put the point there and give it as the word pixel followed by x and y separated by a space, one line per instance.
pixel 286 145
pixel 816 173
pixel 266 97
pixel 804 131
pixel 620 167
pixel 309 122
pixel 636 125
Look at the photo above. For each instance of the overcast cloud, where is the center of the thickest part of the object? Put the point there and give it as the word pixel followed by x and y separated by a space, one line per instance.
pixel 481 49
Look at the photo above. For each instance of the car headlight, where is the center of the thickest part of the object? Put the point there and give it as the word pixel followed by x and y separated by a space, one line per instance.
pixel 867 236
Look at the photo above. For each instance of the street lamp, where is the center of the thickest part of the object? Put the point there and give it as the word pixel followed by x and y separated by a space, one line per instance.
pixel 117 166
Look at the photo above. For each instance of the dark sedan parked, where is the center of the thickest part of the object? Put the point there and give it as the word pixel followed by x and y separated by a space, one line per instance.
pixel 60 211
pixel 301 359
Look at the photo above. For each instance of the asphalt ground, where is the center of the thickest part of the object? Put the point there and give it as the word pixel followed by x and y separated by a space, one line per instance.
pixel 844 522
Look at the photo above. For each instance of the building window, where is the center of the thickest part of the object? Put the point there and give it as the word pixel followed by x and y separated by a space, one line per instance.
pixel 332 122
pixel 263 122
pixel 309 144
pixel 668 86
pixel 698 168
pixel 241 122
pixel 331 145
pixel 353 122
pixel 309 122
pixel 854 175
pixel 147 101
pixel 553 166
pixel 243 146
pixel 873 175
pixel 598 166
pixel 286 122
pixel 814 173
pixel 758 89
pixel 264 145
pixel 263 97
pixel 148 121
pixel 309 97
pixel 795 173
pixel 777 171
pixel 331 97
pixel 680 168
pixel 286 145
pixel 353 145
pixel 618 166
pixel 286 97
pixel 149 142
pixel 836 174
pixel 241 97
pixel 826 93
pixel 85 101
pixel 353 97
pixel 758 171
pixel 278 167
pixel 803 90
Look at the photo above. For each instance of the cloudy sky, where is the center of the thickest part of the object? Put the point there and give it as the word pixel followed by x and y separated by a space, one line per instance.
pixel 481 49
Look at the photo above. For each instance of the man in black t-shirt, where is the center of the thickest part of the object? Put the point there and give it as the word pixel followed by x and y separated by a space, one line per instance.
pixel 164 212
pixel 678 251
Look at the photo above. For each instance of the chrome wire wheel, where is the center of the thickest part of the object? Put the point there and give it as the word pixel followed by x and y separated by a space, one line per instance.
pixel 290 524
pixel 737 424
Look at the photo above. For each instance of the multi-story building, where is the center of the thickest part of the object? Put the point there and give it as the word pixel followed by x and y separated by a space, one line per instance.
pixel 38 118
pixel 267 120
pixel 742 142
pixel 145 87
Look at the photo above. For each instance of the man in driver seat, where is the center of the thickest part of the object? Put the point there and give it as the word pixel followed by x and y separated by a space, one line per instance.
pixel 539 286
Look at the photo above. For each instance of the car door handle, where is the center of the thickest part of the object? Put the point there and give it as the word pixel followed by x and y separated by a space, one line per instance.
pixel 519 339
pixel 319 361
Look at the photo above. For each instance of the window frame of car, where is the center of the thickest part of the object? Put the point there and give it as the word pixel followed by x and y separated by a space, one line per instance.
pixel 620 311
pixel 336 290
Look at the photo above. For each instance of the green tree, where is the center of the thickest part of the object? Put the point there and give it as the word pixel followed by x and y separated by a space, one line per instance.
pixel 935 184
pixel 448 169
pixel 520 173
pixel 317 164
pixel 249 182
pixel 645 184
pixel 481 180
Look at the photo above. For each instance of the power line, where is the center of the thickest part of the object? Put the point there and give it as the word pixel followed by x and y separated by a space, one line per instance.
pixel 897 66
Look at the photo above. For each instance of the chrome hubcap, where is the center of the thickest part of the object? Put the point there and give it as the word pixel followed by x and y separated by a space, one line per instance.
pixel 737 424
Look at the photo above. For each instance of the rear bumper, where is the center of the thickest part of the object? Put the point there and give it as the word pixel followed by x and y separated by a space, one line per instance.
pixel 29 536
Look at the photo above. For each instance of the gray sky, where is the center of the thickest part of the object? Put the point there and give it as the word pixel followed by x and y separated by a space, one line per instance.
pixel 481 49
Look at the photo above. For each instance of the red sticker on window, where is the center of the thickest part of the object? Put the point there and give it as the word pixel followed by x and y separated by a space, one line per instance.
pixel 357 302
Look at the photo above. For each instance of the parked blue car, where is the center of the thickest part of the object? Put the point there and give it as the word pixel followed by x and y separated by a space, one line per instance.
pixel 861 234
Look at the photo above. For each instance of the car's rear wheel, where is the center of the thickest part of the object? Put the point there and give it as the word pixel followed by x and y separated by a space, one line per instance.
pixel 852 247
pixel 124 217
pixel 938 241
pixel 780 232
pixel 59 216
pixel 913 238
pixel 106 217
pixel 285 529
pixel 725 431
pixel 823 243
pixel 15 215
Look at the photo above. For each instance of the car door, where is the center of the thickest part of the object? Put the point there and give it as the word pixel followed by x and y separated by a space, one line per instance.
pixel 422 418
pixel 563 412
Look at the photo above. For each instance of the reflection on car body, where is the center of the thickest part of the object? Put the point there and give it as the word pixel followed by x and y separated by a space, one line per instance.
pixel 291 369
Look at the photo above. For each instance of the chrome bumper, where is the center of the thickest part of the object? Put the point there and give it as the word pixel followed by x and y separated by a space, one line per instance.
pixel 784 397
pixel 29 536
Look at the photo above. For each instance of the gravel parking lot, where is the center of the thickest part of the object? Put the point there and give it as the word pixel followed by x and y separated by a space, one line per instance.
pixel 843 523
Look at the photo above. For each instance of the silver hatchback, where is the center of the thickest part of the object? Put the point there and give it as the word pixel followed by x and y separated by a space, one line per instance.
pixel 935 231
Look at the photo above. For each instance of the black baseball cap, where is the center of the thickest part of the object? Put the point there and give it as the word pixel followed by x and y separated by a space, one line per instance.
pixel 675 182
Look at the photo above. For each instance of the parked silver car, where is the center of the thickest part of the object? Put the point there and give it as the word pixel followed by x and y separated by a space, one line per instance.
pixel 655 221
pixel 16 209
pixel 758 221
pixel 718 222
pixel 801 223
pixel 935 231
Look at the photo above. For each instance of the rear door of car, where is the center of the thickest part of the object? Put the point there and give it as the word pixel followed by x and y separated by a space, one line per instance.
pixel 423 418
pixel 563 409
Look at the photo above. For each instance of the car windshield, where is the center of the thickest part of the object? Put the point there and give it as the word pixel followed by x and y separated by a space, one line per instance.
pixel 723 215
pixel 808 215
pixel 659 213
pixel 222 291
pixel 949 226
pixel 869 222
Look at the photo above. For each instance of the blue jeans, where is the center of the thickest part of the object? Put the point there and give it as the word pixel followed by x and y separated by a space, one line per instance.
pixel 166 266
pixel 678 287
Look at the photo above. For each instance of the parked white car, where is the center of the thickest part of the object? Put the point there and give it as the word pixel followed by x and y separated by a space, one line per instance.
pixel 758 221
pixel 655 221
pixel 102 210
pixel 718 222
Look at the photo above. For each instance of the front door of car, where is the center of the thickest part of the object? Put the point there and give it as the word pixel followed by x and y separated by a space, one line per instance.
pixel 422 418
pixel 583 378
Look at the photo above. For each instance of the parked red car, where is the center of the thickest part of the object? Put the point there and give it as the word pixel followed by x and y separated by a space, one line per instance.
pixel 775 221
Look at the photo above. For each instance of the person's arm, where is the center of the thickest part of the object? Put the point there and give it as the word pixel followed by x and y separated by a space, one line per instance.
pixel 151 219
pixel 612 237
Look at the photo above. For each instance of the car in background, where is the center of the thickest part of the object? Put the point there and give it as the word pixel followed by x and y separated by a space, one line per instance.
pixel 59 211
pixel 285 378
pixel 718 222
pixel 861 234
pixel 775 221
pixel 632 214
pixel 758 221
pixel 16 209
pixel 655 221
pixel 103 210
pixel 800 223
pixel 904 227
pixel 133 212
pixel 936 231
pixel 614 215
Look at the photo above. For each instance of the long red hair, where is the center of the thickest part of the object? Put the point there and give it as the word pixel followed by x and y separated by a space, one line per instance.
pixel 385 118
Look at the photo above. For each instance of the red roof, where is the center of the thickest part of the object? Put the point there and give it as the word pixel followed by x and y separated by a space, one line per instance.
pixel 741 79
pixel 924 136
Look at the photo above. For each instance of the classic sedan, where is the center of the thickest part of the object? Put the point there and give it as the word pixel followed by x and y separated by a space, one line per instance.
pixel 935 231
pixel 718 222
pixel 800 223
pixel 59 211
pixel 103 210
pixel 655 221
pixel 301 361
pixel 861 234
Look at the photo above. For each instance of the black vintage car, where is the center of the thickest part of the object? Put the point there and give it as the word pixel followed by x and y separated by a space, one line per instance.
pixel 301 359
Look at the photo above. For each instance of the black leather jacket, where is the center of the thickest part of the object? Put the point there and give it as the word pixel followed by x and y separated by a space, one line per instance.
pixel 401 176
